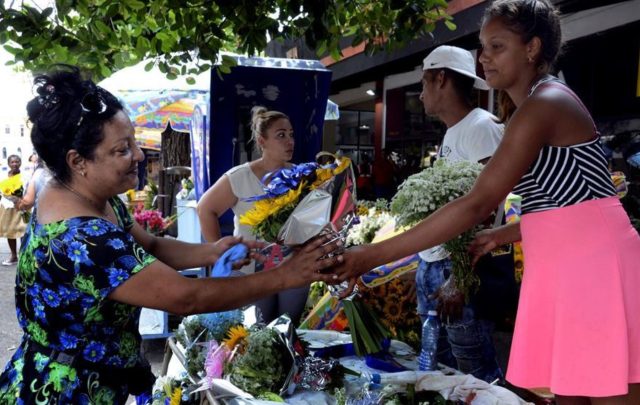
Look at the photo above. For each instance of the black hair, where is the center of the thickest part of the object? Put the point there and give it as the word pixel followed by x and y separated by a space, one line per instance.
pixel 14 157
pixel 529 19
pixel 61 123
pixel 462 84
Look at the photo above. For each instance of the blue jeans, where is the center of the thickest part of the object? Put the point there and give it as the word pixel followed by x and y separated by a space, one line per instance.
pixel 465 344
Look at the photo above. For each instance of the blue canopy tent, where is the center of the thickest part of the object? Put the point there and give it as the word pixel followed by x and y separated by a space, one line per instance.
pixel 220 129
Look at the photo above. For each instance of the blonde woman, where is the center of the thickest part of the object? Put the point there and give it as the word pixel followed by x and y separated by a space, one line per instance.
pixel 272 135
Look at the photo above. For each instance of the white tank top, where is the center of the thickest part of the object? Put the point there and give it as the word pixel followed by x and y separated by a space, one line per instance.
pixel 244 184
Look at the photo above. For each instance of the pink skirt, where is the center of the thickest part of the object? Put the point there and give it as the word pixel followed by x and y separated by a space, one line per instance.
pixel 578 325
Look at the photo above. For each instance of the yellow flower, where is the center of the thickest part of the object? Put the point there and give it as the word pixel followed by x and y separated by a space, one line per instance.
pixel 176 396
pixel 344 163
pixel 323 175
pixel 11 185
pixel 262 209
pixel 131 194
pixel 235 335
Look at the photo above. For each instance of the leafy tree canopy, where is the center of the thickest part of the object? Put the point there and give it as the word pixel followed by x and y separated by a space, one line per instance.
pixel 185 37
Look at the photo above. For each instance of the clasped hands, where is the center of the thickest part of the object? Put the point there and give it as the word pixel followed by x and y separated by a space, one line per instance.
pixel 312 261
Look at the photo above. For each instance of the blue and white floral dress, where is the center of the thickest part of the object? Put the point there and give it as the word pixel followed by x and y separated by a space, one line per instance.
pixel 78 347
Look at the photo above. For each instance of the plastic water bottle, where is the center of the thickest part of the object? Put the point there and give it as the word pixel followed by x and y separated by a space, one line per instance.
pixel 430 332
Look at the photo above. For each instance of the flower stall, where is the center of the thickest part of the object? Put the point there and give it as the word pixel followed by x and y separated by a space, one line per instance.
pixel 220 359
pixel 227 358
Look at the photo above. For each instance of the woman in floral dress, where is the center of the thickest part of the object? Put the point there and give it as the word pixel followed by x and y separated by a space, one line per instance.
pixel 85 268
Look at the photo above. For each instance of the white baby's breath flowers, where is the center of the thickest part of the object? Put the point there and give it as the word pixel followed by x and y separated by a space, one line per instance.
pixel 365 231
pixel 423 193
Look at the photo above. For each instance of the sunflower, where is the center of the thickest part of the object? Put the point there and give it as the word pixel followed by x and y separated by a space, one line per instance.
pixel 236 335
pixel 395 289
pixel 324 174
pixel 176 396
pixel 393 311
pixel 262 209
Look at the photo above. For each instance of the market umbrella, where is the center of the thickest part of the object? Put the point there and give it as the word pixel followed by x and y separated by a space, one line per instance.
pixel 152 111
pixel 154 102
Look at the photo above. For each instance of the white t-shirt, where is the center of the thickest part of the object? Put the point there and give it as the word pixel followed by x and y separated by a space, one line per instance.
pixel 244 184
pixel 473 138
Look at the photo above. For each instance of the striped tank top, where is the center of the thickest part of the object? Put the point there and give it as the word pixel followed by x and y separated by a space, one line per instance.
pixel 565 175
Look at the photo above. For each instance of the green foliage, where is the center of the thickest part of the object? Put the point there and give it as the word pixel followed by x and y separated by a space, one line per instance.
pixel 270 227
pixel 185 38
pixel 261 368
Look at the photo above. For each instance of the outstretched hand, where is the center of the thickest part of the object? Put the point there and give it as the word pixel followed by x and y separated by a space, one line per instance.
pixel 312 262
pixel 353 266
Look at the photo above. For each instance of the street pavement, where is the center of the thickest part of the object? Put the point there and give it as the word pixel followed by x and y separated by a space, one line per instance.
pixel 10 332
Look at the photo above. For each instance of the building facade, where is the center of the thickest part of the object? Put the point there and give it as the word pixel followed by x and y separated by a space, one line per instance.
pixel 378 94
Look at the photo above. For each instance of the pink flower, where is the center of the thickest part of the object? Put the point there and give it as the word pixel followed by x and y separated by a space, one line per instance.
pixel 216 357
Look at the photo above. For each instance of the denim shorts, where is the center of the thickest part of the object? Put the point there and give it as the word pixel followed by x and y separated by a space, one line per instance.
pixel 465 344
pixel 429 277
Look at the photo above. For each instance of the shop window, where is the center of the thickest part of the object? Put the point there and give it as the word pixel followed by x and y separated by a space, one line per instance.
pixel 411 135
pixel 355 133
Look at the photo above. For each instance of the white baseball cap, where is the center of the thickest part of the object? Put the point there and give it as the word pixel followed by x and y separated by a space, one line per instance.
pixel 454 58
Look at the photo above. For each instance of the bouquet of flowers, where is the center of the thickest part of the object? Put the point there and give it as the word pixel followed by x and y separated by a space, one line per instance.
pixel 424 193
pixel 368 224
pixel 186 190
pixel 170 391
pixel 152 220
pixel 12 189
pixel 264 361
pixel 300 201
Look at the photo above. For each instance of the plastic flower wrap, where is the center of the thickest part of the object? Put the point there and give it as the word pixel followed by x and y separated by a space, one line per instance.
pixel 424 193
pixel 300 201
pixel 194 333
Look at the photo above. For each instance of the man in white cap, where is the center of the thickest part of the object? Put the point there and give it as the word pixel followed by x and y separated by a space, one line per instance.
pixel 473 134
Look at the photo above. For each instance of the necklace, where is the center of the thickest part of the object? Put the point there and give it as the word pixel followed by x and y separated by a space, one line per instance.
pixel 543 79
pixel 102 211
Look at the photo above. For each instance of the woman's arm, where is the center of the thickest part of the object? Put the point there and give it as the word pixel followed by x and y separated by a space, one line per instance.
pixel 488 239
pixel 181 255
pixel 159 286
pixel 215 201
pixel 29 197
pixel 530 128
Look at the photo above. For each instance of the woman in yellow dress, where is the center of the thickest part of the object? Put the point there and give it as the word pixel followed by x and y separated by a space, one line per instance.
pixel 12 226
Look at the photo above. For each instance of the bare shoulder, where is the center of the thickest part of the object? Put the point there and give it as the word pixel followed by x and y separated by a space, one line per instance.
pixel 54 205
pixel 567 120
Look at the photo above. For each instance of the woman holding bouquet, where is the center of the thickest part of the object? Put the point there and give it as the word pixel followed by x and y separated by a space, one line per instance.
pixel 272 136
pixel 11 224
pixel 578 323
pixel 86 267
